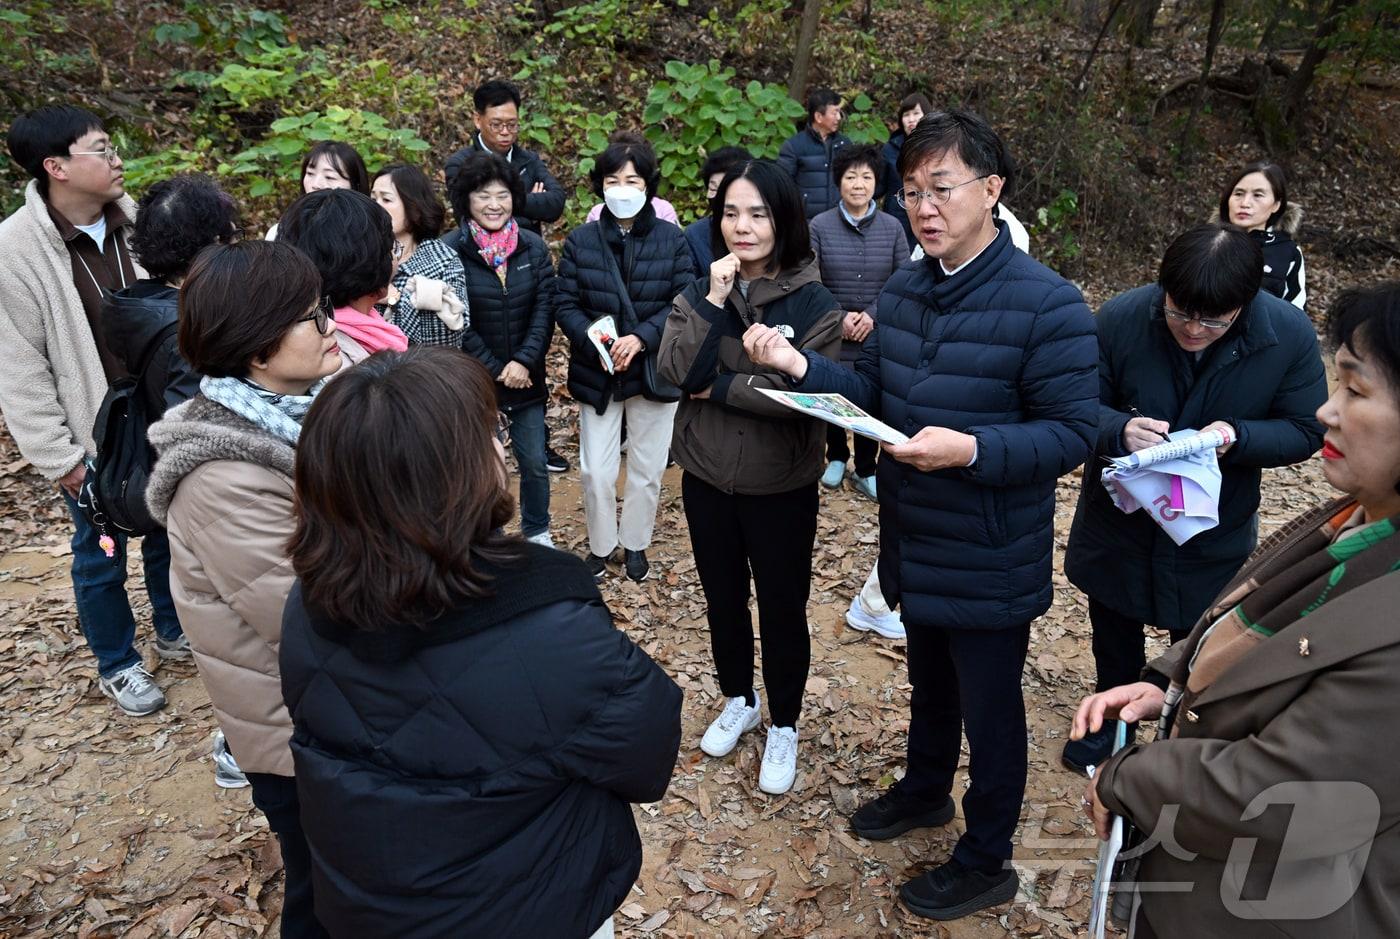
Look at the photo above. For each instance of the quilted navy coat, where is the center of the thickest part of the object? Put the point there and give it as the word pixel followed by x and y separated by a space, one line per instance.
pixel 473 777
pixel 1265 377
pixel 1003 350
pixel 807 158
pixel 655 264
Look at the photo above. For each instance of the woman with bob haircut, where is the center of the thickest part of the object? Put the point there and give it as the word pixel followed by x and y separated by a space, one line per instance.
pixel 1276 715
pixel 627 266
pixel 510 286
pixel 1202 349
pixel 470 727
pixel 351 242
pixel 1257 201
pixel 751 464
pixel 254 323
pixel 330 164
pixel 428 294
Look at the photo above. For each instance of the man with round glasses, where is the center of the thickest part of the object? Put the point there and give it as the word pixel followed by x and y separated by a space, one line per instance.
pixel 986 360
pixel 1203 348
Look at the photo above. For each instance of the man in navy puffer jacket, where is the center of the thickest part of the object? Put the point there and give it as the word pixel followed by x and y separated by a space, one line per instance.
pixel 807 154
pixel 988 361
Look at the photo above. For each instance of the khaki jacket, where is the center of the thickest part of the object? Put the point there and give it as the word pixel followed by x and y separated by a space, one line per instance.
pixel 223 489
pixel 1283 780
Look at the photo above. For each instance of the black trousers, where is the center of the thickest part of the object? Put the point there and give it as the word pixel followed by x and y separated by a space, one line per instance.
pixel 970 678
pixel 1120 647
pixel 771 538
pixel 276 797
pixel 838 450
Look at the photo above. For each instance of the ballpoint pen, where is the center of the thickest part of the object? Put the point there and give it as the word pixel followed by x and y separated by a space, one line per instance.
pixel 1136 413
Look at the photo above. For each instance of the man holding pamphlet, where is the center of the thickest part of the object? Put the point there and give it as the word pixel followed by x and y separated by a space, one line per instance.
pixel 1202 349
pixel 985 359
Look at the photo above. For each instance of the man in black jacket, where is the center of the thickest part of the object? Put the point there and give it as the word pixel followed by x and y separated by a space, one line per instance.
pixel 807 154
pixel 498 125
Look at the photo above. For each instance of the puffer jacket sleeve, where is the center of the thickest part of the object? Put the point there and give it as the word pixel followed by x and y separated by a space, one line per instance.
pixel 1060 401
pixel 531 351
pixel 629 742
pixel 861 387
pixel 1291 433
pixel 544 206
pixel 1111 420
pixel 787 157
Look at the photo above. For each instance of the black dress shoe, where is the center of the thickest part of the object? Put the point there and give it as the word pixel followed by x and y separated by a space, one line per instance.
pixel 951 891
pixel 597 566
pixel 894 813
pixel 554 462
pixel 636 565
pixel 1079 755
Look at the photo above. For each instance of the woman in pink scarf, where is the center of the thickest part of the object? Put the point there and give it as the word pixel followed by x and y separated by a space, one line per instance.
pixel 350 239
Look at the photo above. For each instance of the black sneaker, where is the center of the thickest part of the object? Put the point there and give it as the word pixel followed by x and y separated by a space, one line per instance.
pixel 597 566
pixel 1079 755
pixel 951 891
pixel 636 564
pixel 894 813
pixel 554 462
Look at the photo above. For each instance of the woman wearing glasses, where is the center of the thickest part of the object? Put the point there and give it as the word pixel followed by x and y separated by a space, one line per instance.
pixel 252 321
pixel 1206 349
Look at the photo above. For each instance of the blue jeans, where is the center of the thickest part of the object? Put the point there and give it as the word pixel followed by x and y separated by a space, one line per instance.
pixel 99 587
pixel 528 438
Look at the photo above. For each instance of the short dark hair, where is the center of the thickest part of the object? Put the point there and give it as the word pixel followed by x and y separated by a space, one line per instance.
pixel 45 132
pixel 346 160
pixel 792 240
pixel 347 235
pixel 493 94
pixel 1367 319
pixel 389 450
pixel 178 218
pixel 958 131
pixel 423 211
pixel 1211 270
pixel 911 101
pixel 722 161
pixel 818 100
pixel 617 155
pixel 856 155
pixel 238 301
pixel 480 169
pixel 1278 182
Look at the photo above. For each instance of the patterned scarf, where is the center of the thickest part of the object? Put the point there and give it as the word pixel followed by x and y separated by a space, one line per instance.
pixel 280 415
pixel 1308 566
pixel 496 247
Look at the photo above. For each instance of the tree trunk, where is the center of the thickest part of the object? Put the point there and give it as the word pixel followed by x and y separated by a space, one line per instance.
pixel 1266 41
pixel 802 57
pixel 1094 50
pixel 1137 21
pixel 1296 93
pixel 1217 23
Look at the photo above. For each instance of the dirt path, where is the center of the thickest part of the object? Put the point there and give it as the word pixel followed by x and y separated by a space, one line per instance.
pixel 112 826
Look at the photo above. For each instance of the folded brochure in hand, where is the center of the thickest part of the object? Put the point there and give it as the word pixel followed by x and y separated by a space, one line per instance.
pixel 602 332
pixel 1176 483
pixel 835 409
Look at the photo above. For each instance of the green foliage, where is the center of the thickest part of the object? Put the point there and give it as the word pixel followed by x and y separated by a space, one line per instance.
pixel 699 110
pixel 862 124
pixel 746 28
pixel 1053 228
pixel 224 28
pixel 603 23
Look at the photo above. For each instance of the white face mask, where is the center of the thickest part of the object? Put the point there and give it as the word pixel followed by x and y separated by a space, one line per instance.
pixel 624 201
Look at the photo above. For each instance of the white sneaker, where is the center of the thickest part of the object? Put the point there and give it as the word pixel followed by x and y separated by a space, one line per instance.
pixel 779 767
pixel 541 539
pixel 227 775
pixel 732 723
pixel 890 625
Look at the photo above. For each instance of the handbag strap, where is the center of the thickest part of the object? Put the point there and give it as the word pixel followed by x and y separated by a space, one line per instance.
pixel 616 272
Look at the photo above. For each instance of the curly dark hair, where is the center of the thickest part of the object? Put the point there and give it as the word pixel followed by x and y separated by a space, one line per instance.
pixel 476 171
pixel 179 217
pixel 347 236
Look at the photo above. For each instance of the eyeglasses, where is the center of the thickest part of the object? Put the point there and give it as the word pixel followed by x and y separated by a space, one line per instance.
pixel 108 153
pixel 502 127
pixel 502 430
pixel 1177 316
pixel 323 316
pixel 909 199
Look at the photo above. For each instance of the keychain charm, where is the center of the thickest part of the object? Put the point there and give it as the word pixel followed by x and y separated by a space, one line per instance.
pixel 108 545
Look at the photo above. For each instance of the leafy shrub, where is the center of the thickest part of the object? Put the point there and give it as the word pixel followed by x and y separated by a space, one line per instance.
pixel 1053 227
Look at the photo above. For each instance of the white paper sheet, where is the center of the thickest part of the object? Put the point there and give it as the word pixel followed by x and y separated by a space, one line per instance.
pixel 836 409
pixel 1176 483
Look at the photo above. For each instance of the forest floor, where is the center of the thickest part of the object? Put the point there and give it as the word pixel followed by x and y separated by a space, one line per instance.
pixel 112 826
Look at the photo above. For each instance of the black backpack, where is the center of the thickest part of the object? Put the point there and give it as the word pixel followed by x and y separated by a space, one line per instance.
pixel 113 494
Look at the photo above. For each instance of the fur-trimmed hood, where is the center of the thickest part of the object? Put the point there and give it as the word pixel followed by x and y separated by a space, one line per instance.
pixel 1289 224
pixel 201 431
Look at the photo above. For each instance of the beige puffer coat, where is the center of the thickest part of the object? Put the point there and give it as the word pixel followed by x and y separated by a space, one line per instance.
pixel 223 489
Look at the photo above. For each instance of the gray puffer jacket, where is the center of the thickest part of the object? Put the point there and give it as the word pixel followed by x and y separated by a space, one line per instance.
pixel 856 260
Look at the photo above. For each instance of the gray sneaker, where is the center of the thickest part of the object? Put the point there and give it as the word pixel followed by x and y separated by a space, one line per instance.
pixel 134 691
pixel 227 775
pixel 174 650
